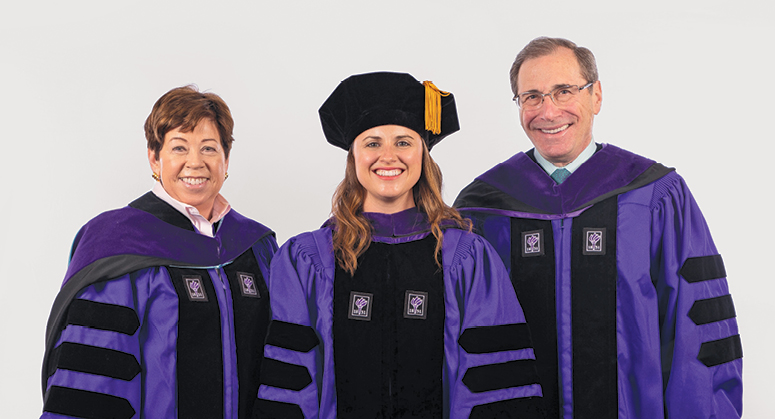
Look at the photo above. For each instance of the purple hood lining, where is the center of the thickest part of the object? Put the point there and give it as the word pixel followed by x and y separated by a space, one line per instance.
pixel 614 169
pixel 124 240
pixel 130 231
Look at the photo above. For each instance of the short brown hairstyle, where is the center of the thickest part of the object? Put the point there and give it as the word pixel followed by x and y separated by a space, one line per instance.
pixel 183 108
pixel 543 46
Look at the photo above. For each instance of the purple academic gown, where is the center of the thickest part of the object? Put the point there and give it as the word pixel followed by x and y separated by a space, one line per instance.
pixel 623 288
pixel 483 326
pixel 155 320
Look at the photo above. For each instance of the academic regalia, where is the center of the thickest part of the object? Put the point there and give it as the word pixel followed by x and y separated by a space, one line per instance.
pixel 621 283
pixel 400 338
pixel 157 320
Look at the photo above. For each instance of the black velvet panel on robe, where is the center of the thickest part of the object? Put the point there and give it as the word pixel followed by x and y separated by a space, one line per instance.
pixel 390 365
pixel 533 278
pixel 199 349
pixel 593 308
pixel 593 312
pixel 250 299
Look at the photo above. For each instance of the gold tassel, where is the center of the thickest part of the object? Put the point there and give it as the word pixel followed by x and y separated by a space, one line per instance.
pixel 433 107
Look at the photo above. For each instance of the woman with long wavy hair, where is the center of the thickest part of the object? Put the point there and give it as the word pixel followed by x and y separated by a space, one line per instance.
pixel 393 308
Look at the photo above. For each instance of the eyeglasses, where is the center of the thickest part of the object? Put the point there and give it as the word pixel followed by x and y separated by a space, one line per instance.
pixel 560 96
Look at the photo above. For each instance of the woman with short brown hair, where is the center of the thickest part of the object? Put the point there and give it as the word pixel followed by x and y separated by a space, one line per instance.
pixel 164 308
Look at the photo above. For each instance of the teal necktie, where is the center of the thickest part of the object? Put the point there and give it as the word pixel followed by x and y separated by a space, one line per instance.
pixel 560 175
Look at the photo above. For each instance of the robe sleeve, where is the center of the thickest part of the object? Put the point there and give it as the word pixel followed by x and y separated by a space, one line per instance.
pixel 293 356
pixel 264 250
pixel 96 361
pixel 490 361
pixel 700 344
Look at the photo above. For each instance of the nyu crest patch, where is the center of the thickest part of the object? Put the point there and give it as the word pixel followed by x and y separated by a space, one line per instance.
pixel 415 305
pixel 195 288
pixel 594 241
pixel 248 285
pixel 360 306
pixel 532 243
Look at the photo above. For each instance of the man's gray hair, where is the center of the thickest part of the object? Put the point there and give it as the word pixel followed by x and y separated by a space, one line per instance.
pixel 543 46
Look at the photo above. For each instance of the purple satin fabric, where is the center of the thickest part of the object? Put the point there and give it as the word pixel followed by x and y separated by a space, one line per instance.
pixel 478 292
pixel 659 226
pixel 611 168
pixel 132 231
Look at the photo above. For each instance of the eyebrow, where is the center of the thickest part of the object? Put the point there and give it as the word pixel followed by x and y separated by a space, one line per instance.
pixel 555 87
pixel 186 140
pixel 397 137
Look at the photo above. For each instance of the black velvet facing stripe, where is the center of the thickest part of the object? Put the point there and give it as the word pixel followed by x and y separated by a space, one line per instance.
pixel 593 316
pixel 720 351
pixel 103 316
pixel 152 204
pixel 86 404
pixel 292 336
pixel 499 376
pixel 712 310
pixel 269 409
pixel 534 281
pixel 488 339
pixel 522 408
pixel 284 375
pixel 703 268
pixel 199 350
pixel 390 366
pixel 251 321
pixel 95 360
pixel 479 194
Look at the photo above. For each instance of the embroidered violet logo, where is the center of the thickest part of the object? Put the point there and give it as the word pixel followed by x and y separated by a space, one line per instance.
pixel 594 240
pixel 248 285
pixel 360 303
pixel 531 242
pixel 360 306
pixel 415 302
pixel 195 290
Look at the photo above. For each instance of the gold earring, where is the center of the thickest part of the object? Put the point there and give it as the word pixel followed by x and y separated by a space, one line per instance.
pixel 227 176
pixel 155 176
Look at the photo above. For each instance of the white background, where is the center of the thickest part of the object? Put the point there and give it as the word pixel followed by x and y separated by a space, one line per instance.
pixel 687 83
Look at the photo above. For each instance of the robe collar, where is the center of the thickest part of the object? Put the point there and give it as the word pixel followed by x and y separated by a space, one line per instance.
pixel 608 170
pixel 401 224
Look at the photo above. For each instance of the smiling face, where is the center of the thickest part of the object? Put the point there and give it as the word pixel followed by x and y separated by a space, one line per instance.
pixel 192 165
pixel 559 134
pixel 388 163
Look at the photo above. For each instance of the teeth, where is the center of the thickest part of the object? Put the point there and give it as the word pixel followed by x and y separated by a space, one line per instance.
pixel 394 172
pixel 193 180
pixel 556 130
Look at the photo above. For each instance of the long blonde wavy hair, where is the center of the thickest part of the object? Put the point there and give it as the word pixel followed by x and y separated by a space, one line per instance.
pixel 352 231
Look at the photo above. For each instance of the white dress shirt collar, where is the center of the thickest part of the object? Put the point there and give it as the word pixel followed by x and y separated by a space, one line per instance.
pixel 202 225
pixel 572 166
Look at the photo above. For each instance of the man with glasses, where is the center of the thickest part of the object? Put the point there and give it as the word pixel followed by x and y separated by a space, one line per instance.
pixel 622 286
